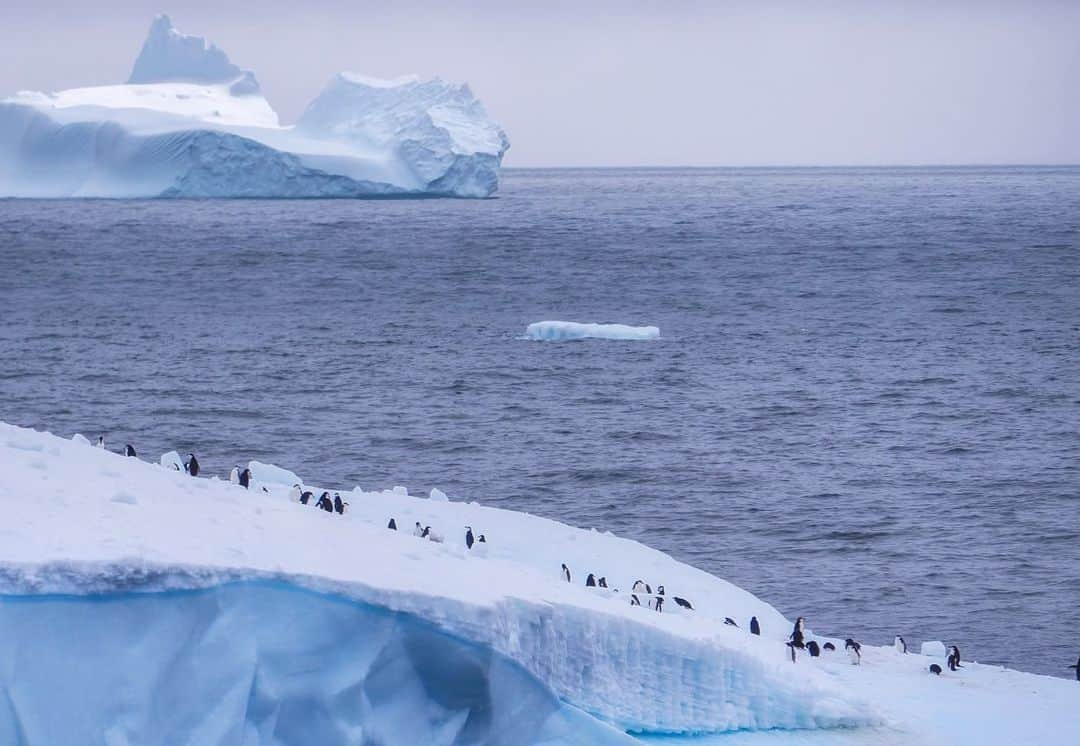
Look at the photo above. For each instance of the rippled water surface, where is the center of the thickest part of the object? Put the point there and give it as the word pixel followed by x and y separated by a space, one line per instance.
pixel 864 406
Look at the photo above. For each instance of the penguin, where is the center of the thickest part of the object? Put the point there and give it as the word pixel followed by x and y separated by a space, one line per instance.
pixel 234 475
pixel 339 504
pixel 419 530
pixel 129 450
pixel 481 540
pixel 325 503
pixel 954 658
pixel 192 466
pixel 791 647
pixel 755 628
pixel 730 622
pixel 935 669
pixel 813 649
pixel 100 441
pixel 634 600
pixel 295 493
pixel 828 646
pixel 1077 667
pixel 796 635
pixel 658 604
pixel 426 533
pixel 854 651
pixel 602 582
pixel 306 496
pixel 392 525
pixel 468 537
pixel 245 479
pixel 899 644
pixel 566 573
pixel 590 582
pixel 685 604
pixel 639 586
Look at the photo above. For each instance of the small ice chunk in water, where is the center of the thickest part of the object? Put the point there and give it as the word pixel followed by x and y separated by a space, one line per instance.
pixel 559 331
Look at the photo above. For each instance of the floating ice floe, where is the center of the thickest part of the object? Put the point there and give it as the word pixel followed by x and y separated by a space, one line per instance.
pixel 559 331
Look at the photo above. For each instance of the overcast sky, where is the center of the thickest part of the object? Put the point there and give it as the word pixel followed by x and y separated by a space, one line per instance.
pixel 741 82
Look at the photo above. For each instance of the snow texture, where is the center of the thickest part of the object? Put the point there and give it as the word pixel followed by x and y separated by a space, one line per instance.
pixel 125 585
pixel 560 331
pixel 190 123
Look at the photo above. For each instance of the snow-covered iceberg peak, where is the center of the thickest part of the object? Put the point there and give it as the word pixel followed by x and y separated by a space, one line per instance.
pixel 169 56
pixel 439 129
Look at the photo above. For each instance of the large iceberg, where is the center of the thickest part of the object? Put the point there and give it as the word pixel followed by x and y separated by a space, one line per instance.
pixel 139 605
pixel 190 123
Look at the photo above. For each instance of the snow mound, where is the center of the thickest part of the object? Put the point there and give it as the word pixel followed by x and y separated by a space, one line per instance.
pixel 263 621
pixel 190 123
pixel 560 331
pixel 269 474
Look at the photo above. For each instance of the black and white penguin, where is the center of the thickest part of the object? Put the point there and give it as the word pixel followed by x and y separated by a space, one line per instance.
pixel 305 496
pixel 419 530
pixel 590 582
pixel 813 649
pixel 828 646
pixel 755 628
pixel 192 465
pixel 234 475
pixel 245 479
pixel 954 658
pixel 1077 667
pixel 935 669
pixel 854 651
pixel 680 601
pixel 426 533
pixel 634 600
pixel 100 441
pixel 392 525
pixel 730 622
pixel 326 503
pixel 566 573
pixel 602 582
pixel 639 586
pixel 899 644
pixel 791 647
pixel 468 537
pixel 129 450
pixel 796 635
pixel 658 603
pixel 339 504
pixel 481 540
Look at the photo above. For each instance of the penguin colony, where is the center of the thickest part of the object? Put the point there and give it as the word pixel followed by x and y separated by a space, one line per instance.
pixel 640 589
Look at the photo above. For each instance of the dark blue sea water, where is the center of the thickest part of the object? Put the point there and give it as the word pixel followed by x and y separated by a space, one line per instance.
pixel 864 407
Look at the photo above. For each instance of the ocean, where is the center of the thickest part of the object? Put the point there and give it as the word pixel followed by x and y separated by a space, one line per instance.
pixel 864 406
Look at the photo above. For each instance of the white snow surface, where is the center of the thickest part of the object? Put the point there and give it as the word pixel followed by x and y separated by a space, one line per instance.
pixel 560 331
pixel 190 123
pixel 294 611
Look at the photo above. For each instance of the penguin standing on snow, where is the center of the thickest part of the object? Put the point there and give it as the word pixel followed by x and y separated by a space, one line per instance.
pixel 1077 667
pixel 129 450
pixel 481 540
pixel 419 530
pixel 295 493
pixel 305 496
pixel 590 582
pixel 192 465
pixel 755 628
pixel 245 479
pixel 954 658
pixel 468 537
pixel 100 441
pixel 854 651
pixel 813 649
pixel 234 475
pixel 602 582
pixel 339 504
pixel 392 525
pixel 796 635
pixel 899 644
pixel 325 503
pixel 565 573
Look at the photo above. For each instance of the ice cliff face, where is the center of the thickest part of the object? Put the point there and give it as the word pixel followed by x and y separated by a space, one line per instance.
pixel 190 123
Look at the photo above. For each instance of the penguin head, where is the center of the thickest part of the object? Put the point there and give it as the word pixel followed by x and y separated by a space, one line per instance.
pixel 660 590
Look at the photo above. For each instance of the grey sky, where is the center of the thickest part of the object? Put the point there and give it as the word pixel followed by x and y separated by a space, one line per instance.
pixel 640 83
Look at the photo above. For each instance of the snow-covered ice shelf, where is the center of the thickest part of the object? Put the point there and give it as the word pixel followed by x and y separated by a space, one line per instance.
pixel 190 123
pixel 125 585
pixel 560 331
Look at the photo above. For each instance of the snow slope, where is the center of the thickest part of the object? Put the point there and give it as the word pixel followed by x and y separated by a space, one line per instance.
pixel 252 614
pixel 560 331
pixel 190 123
